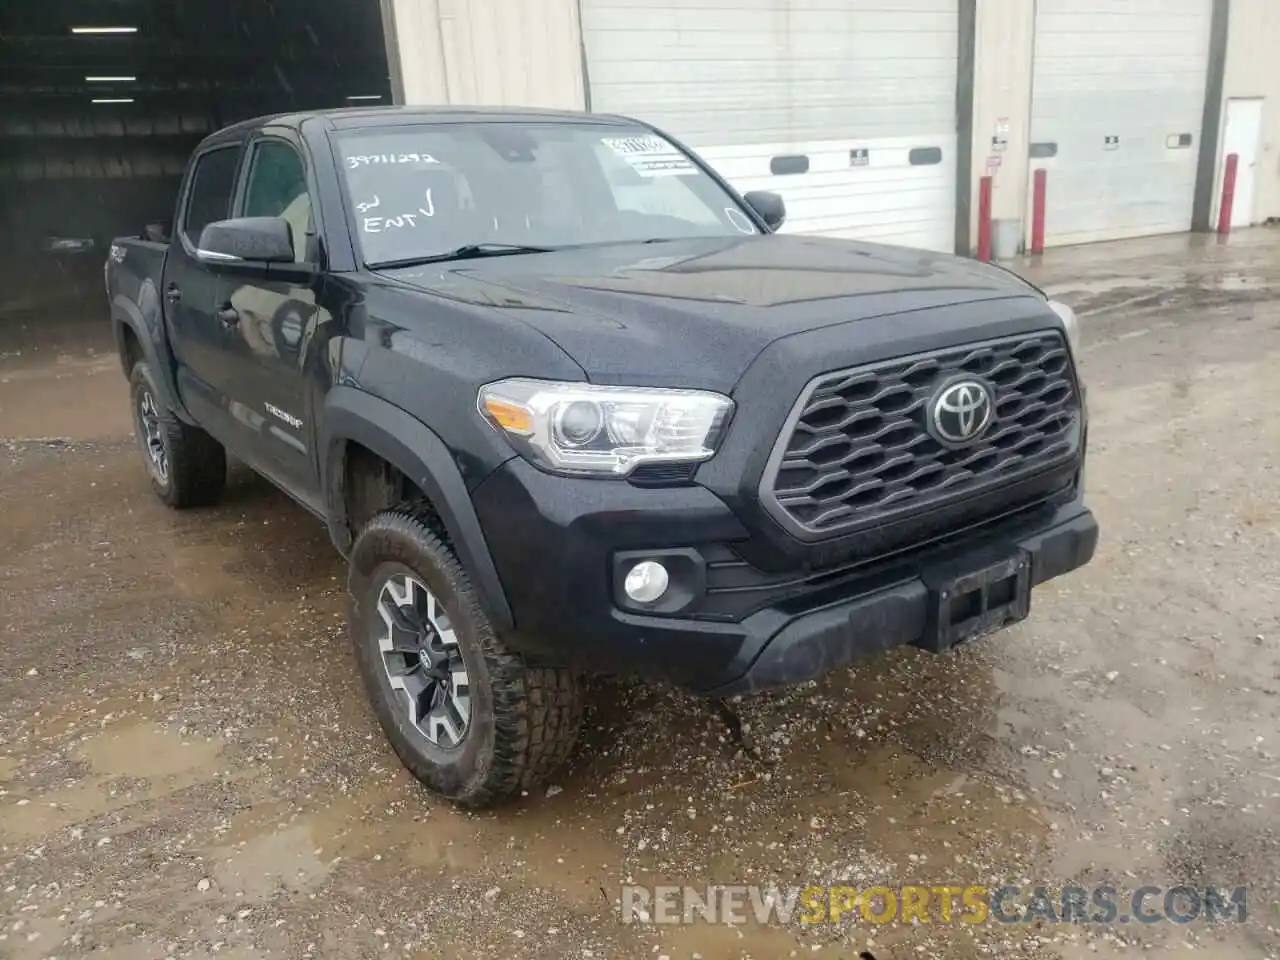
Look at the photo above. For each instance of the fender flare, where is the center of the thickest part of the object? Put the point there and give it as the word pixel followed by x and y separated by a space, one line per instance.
pixel 417 452
pixel 127 314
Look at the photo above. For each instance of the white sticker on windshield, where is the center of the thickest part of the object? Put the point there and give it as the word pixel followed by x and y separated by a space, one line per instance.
pixel 651 156
pixel 379 158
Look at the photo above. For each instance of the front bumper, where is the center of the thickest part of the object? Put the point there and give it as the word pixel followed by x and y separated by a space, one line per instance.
pixel 817 642
pixel 555 542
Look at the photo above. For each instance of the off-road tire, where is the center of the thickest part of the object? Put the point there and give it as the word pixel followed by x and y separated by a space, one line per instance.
pixel 196 465
pixel 524 718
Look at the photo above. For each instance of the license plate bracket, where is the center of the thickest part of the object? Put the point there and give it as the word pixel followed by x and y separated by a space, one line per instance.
pixel 967 604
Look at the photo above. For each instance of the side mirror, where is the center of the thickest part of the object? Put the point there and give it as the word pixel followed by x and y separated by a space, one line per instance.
pixel 246 240
pixel 769 206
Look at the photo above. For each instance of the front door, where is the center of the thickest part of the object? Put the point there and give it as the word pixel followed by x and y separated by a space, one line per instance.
pixel 273 333
pixel 1241 136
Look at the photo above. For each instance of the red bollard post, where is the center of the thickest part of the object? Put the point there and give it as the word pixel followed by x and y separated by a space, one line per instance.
pixel 1228 193
pixel 1037 210
pixel 984 219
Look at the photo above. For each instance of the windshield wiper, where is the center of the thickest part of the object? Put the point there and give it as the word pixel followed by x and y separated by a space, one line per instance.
pixel 468 251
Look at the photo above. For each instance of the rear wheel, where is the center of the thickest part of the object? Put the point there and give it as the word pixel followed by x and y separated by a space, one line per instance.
pixel 187 467
pixel 469 718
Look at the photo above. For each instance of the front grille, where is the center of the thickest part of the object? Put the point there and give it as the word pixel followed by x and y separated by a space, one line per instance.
pixel 857 450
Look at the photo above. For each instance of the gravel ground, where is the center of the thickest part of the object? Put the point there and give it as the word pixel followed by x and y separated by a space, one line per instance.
pixel 188 767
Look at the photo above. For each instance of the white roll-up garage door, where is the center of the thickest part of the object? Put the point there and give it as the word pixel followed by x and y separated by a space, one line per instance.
pixel 845 107
pixel 1117 99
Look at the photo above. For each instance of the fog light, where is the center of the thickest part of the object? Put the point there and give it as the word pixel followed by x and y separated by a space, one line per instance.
pixel 646 581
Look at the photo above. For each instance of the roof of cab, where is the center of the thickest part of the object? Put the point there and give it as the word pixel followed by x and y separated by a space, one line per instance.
pixel 345 118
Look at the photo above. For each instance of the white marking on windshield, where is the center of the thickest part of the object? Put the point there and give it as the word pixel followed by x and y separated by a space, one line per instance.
pixel 365 160
pixel 739 220
pixel 383 224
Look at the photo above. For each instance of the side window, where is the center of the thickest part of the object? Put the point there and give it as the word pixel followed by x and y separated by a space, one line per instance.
pixel 209 197
pixel 277 187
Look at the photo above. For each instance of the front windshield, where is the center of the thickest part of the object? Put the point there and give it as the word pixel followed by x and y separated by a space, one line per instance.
pixel 422 191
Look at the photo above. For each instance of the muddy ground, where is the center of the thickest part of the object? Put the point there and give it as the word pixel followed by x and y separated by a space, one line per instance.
pixel 188 767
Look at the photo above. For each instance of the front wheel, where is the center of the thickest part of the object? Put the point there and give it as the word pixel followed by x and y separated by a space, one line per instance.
pixel 469 718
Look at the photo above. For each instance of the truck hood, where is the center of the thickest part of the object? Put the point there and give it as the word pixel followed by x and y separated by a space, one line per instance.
pixel 695 313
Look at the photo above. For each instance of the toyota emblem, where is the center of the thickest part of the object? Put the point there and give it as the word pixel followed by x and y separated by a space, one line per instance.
pixel 961 412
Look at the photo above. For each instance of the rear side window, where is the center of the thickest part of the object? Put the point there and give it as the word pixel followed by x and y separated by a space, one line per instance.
pixel 209 198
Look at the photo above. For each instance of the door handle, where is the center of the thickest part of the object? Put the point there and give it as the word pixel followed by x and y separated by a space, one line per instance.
pixel 173 293
pixel 228 315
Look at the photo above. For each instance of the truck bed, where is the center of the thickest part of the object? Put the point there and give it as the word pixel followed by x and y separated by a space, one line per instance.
pixel 133 265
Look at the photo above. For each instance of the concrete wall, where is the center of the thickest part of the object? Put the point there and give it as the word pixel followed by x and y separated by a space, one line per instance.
pixel 1253 70
pixel 488 52
pixel 1004 39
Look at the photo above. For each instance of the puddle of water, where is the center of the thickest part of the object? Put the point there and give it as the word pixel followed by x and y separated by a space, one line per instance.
pixel 1237 281
pixel 272 848
pixel 1091 288
pixel 146 750
pixel 282 860
pixel 37 938
pixel 721 940
pixel 145 948
pixel 155 761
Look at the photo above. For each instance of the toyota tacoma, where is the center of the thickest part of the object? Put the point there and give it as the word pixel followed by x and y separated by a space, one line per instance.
pixel 568 403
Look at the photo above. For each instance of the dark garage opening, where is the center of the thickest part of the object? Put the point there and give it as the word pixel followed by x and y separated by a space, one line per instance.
pixel 96 126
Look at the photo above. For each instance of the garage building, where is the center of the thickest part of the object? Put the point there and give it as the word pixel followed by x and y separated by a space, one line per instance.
pixel 1117 102
pixel 873 119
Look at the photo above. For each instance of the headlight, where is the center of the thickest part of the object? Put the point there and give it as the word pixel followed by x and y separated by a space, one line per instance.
pixel 1069 324
pixel 580 428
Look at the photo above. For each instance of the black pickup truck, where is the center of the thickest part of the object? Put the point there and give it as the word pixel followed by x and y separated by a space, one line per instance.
pixel 568 403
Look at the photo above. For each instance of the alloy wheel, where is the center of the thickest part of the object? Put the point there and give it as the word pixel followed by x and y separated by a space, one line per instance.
pixel 423 662
pixel 153 436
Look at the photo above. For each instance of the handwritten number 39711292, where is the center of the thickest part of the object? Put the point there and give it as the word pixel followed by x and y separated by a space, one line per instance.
pixel 383 224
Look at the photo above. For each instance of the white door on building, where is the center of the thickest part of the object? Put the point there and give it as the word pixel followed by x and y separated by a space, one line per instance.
pixel 1241 135
pixel 845 107
pixel 1117 102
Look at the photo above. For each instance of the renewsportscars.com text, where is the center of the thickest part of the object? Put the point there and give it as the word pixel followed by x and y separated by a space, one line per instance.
pixel 972 904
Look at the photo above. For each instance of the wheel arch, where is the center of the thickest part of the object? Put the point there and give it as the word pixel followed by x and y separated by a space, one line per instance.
pixel 136 339
pixel 353 417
